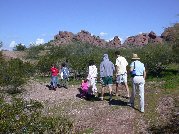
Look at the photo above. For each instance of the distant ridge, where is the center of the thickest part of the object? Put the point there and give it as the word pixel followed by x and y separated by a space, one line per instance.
pixel 65 37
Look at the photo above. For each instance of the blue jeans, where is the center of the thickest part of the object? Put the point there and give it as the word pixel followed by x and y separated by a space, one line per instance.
pixel 138 84
pixel 54 81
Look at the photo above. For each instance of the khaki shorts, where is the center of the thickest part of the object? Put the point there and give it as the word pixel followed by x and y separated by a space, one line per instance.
pixel 121 78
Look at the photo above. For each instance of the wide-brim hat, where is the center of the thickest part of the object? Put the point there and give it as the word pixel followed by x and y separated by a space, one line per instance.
pixel 135 57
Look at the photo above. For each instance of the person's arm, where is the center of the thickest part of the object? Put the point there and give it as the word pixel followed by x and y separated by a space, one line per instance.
pixel 131 69
pixel 131 66
pixel 101 70
pixel 144 74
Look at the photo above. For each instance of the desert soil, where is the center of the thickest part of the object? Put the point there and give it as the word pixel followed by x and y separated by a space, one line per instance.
pixel 99 117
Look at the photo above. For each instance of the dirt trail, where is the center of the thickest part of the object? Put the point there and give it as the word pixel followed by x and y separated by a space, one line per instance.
pixel 100 116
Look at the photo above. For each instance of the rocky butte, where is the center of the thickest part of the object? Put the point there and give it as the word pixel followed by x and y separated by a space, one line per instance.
pixel 64 37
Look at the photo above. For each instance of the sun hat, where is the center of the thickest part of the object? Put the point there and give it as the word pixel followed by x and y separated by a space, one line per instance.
pixel 135 57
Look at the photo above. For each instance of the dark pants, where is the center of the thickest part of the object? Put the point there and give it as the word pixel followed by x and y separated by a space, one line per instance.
pixel 64 82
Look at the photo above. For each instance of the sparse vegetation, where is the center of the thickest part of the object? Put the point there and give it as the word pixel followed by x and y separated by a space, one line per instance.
pixel 20 116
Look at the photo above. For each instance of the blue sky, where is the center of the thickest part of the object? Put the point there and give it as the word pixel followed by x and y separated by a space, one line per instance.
pixel 37 21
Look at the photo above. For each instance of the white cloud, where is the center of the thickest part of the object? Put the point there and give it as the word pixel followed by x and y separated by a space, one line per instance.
pixel 109 39
pixel 12 44
pixel 103 34
pixel 39 41
pixel 140 32
pixel 121 39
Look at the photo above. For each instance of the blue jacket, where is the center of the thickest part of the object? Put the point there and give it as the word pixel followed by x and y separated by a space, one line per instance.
pixel 106 67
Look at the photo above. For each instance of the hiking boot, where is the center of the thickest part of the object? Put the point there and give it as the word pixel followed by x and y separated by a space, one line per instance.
pixel 101 98
pixel 110 98
pixel 65 87
pixel 142 111
pixel 130 104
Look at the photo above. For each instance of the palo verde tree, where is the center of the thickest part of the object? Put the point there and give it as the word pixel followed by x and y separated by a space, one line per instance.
pixel 19 47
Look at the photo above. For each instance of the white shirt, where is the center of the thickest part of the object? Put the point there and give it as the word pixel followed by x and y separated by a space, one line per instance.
pixel 121 64
pixel 92 71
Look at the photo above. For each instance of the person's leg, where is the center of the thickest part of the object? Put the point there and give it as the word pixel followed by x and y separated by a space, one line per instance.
pixel 117 85
pixel 102 92
pixel 110 83
pixel 54 82
pixel 132 98
pixel 62 82
pixel 65 83
pixel 94 85
pixel 127 88
pixel 56 78
pixel 141 95
pixel 110 91
pixel 117 89
pixel 124 80
pixel 103 82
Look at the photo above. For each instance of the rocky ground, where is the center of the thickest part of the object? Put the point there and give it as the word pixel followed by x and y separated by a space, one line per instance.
pixel 95 116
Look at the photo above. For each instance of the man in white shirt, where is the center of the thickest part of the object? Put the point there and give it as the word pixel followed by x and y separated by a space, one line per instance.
pixel 121 73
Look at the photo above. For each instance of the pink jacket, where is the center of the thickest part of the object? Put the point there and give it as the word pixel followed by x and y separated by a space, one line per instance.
pixel 85 86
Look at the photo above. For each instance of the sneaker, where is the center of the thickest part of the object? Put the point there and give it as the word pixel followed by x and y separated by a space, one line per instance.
pixel 101 98
pixel 142 110
pixel 110 98
pixel 130 104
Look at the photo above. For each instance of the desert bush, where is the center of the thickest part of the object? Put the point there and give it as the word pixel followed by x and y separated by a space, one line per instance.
pixel 19 47
pixel 33 51
pixel 14 73
pixel 19 116
pixel 155 57
pixel 175 50
pixel 78 55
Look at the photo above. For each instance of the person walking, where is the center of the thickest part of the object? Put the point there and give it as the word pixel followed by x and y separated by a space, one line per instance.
pixel 139 74
pixel 92 76
pixel 54 74
pixel 121 73
pixel 106 73
pixel 64 75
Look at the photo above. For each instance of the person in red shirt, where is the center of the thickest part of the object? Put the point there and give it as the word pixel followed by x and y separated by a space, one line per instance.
pixel 54 74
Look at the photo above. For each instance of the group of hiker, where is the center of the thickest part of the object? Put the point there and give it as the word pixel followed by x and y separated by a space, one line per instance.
pixel 107 70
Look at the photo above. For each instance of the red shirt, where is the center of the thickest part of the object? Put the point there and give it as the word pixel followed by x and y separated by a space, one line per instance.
pixel 54 71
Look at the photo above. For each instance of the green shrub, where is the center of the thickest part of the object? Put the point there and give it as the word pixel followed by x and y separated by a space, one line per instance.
pixel 19 47
pixel 156 57
pixel 20 116
pixel 14 73
pixel 33 51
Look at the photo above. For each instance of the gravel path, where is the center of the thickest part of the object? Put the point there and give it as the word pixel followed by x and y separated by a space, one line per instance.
pixel 100 116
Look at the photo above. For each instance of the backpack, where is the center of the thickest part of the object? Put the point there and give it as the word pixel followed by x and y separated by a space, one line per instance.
pixel 65 72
